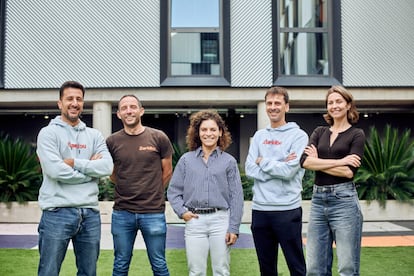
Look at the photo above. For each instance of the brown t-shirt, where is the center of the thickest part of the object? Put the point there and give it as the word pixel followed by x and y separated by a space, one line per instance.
pixel 138 170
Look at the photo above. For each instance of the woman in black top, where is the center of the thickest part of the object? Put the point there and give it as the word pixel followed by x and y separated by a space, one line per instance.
pixel 334 153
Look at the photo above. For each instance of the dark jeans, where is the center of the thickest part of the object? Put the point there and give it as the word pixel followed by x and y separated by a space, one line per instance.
pixel 57 228
pixel 273 228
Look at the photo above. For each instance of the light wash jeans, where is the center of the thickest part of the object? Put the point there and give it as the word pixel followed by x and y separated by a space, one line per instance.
pixel 124 228
pixel 335 216
pixel 203 234
pixel 57 228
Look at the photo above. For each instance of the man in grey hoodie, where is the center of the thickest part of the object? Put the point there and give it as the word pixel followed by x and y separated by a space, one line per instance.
pixel 73 158
pixel 273 163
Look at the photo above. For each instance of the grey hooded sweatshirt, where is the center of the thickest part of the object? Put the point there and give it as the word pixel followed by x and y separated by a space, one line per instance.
pixel 64 186
pixel 277 184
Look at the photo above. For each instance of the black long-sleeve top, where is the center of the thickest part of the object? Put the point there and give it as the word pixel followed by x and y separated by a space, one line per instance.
pixel 351 141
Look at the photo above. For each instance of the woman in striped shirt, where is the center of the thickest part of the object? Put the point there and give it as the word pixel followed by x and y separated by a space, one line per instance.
pixel 206 192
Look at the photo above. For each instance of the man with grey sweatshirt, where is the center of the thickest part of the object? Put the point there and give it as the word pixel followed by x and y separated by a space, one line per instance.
pixel 273 163
pixel 73 158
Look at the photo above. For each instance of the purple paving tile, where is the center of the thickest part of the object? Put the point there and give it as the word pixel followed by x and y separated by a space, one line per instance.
pixel 175 237
pixel 244 241
pixel 18 241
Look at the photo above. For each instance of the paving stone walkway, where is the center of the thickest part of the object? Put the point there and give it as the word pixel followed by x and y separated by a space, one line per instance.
pixel 380 233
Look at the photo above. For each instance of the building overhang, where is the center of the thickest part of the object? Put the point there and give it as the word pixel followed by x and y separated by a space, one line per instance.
pixel 186 99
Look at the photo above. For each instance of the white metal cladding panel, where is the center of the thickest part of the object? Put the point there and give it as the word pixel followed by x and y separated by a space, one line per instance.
pixel 378 42
pixel 99 43
pixel 251 43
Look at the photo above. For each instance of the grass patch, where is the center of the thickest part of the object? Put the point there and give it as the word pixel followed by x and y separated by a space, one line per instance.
pixel 375 261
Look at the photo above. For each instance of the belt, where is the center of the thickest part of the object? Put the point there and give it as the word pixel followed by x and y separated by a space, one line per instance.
pixel 323 189
pixel 203 210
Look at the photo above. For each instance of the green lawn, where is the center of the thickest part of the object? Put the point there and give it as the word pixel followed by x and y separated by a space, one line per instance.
pixel 375 261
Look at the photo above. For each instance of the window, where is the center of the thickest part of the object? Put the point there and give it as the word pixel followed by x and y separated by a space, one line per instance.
pixel 194 43
pixel 307 42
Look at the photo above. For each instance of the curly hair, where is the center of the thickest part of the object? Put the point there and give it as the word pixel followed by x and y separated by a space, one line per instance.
pixel 193 131
pixel 352 114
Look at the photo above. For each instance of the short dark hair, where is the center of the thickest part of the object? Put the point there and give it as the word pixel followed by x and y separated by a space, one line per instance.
pixel 277 90
pixel 72 84
pixel 130 95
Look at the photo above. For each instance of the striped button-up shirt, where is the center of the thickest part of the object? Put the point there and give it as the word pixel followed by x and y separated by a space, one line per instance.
pixel 215 184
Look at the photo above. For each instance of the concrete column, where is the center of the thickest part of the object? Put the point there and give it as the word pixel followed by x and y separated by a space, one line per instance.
pixel 262 118
pixel 102 117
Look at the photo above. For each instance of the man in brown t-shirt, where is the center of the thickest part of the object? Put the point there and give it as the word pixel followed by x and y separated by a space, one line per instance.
pixel 142 168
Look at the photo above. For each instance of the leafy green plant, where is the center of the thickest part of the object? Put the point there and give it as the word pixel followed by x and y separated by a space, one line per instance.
pixel 178 152
pixel 247 184
pixel 20 173
pixel 387 169
pixel 307 184
pixel 106 189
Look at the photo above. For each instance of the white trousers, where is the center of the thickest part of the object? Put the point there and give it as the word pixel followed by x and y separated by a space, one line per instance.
pixel 207 234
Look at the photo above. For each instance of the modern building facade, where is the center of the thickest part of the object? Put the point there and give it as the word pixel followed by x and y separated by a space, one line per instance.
pixel 180 56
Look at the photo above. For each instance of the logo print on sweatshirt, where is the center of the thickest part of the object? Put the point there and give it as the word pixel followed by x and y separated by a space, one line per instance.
pixel 76 146
pixel 272 142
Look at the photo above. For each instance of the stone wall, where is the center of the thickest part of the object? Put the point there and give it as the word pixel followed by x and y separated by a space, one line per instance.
pixel 30 212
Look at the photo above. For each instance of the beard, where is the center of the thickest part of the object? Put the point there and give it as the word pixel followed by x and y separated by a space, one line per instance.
pixel 132 124
pixel 72 118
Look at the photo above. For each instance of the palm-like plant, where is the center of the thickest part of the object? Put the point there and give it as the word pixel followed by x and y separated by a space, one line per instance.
pixel 178 152
pixel 387 170
pixel 20 173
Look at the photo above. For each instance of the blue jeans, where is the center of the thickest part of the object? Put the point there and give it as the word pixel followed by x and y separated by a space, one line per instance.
pixel 57 227
pixel 335 216
pixel 273 228
pixel 124 228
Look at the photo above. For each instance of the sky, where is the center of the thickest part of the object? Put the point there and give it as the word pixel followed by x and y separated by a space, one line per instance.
pixel 195 13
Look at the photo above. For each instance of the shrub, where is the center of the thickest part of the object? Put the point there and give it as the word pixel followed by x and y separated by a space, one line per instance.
pixel 307 184
pixel 387 169
pixel 106 189
pixel 20 173
pixel 247 184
